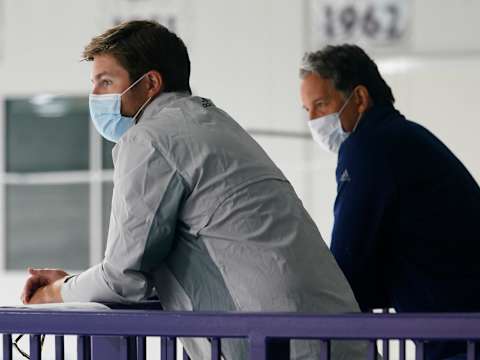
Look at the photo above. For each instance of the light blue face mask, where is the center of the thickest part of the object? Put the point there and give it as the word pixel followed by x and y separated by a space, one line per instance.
pixel 105 112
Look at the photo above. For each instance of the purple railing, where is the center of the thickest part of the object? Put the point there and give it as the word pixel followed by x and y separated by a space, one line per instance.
pixel 267 333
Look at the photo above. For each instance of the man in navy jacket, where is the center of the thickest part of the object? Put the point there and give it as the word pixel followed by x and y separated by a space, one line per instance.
pixel 407 210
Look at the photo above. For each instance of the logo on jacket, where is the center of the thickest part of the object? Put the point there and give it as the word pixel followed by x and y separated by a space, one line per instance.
pixel 206 102
pixel 345 177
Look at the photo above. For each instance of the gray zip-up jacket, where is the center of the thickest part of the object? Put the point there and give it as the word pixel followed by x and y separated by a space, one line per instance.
pixel 202 216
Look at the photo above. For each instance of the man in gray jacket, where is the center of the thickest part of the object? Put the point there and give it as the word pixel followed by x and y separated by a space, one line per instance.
pixel 201 216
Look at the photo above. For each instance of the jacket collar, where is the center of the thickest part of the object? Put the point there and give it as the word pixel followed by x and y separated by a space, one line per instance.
pixel 375 114
pixel 161 102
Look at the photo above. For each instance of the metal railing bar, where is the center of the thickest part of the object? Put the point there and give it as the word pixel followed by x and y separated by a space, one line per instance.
pixel 324 350
pixel 59 347
pixel 35 347
pixel 386 349
pixel 171 348
pixel 257 344
pixel 402 349
pixel 83 348
pixel 472 350
pixel 419 350
pixel 163 348
pixel 216 348
pixel 131 346
pixel 7 347
pixel 196 324
pixel 372 350
pixel 141 348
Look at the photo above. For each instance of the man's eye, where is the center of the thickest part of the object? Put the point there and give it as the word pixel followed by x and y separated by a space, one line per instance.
pixel 319 104
pixel 106 83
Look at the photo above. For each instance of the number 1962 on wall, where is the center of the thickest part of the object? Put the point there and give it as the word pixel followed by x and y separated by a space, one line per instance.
pixel 372 21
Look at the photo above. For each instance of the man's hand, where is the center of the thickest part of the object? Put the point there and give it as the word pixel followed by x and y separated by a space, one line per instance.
pixel 43 286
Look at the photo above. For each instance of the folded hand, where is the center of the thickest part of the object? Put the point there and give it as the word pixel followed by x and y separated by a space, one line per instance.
pixel 43 286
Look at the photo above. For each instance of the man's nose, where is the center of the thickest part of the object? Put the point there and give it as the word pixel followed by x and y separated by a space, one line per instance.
pixel 95 90
pixel 98 89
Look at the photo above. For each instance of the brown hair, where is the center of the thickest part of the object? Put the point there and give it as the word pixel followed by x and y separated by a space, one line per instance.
pixel 140 46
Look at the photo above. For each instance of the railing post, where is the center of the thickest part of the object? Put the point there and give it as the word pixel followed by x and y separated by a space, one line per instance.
pixel 7 347
pixel 141 348
pixel 324 349
pixel 168 348
pixel 402 349
pixel 372 350
pixel 59 347
pixel 216 348
pixel 172 348
pixel 163 348
pixel 472 350
pixel 386 349
pixel 419 350
pixel 83 347
pixel 113 347
pixel 131 347
pixel 258 349
pixel 35 347
pixel 263 348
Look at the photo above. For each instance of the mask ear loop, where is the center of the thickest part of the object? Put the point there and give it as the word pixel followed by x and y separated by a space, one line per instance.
pixel 345 103
pixel 134 83
pixel 343 107
pixel 356 124
pixel 135 120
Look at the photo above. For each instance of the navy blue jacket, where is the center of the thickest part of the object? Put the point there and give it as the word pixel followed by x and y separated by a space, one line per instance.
pixel 407 216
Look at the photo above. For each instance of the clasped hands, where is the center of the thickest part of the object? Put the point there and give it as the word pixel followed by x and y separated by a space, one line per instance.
pixel 43 286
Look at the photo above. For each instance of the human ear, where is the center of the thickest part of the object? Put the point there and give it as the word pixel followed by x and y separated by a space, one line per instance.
pixel 154 83
pixel 362 98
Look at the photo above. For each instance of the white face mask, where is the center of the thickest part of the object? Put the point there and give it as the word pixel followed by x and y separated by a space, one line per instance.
pixel 327 130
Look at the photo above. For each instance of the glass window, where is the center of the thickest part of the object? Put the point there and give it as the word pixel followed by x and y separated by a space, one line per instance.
pixel 47 133
pixel 47 226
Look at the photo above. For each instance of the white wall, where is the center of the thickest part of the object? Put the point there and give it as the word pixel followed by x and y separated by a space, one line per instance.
pixel 245 56
pixel 441 94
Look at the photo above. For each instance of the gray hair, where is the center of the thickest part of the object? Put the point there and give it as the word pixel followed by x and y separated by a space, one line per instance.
pixel 309 65
pixel 347 66
pixel 315 62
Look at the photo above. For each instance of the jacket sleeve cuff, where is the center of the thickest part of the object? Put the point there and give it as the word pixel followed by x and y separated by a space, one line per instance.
pixel 89 286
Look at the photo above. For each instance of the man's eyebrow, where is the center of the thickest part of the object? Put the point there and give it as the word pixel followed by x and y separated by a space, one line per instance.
pixel 99 75
pixel 321 98
pixel 315 100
